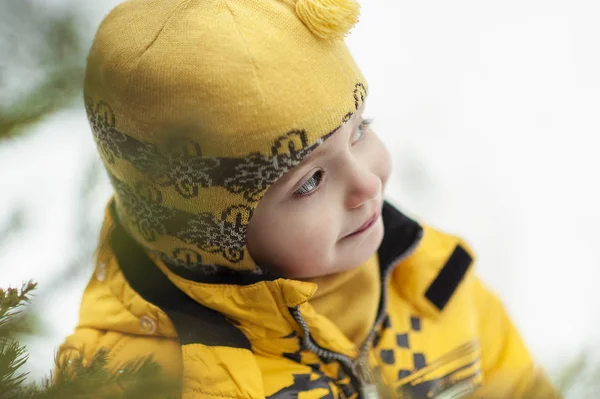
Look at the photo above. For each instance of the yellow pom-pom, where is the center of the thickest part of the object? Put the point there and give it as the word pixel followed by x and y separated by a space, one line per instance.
pixel 328 19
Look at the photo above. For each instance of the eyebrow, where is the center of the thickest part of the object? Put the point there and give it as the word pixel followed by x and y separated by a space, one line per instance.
pixel 319 152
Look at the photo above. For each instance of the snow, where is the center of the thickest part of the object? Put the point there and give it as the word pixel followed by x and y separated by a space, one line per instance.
pixel 490 112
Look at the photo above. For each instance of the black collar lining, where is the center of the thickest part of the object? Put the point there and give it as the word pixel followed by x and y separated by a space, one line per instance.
pixel 194 322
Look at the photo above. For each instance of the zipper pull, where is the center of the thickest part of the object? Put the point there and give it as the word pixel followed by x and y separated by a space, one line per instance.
pixel 369 391
pixel 368 388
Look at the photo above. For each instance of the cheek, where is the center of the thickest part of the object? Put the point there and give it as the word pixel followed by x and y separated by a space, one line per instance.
pixel 311 244
pixel 301 244
pixel 317 234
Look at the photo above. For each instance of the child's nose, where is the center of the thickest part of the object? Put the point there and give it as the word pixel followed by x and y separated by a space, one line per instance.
pixel 363 185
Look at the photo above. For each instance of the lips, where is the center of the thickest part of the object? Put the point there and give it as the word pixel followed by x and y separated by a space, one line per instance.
pixel 367 224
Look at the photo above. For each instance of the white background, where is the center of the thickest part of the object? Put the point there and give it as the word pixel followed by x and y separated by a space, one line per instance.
pixel 490 110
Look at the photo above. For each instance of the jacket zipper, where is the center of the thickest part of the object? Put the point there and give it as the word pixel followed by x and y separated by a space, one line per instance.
pixel 360 366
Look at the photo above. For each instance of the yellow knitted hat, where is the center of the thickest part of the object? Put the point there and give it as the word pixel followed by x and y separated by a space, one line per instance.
pixel 198 106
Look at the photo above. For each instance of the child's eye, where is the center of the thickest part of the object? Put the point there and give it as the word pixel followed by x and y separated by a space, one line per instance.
pixel 361 130
pixel 310 185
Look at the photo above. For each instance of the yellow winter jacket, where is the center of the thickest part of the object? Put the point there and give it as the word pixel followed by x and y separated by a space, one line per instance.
pixel 439 333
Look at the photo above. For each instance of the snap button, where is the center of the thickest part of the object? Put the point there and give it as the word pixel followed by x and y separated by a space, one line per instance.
pixel 101 271
pixel 147 325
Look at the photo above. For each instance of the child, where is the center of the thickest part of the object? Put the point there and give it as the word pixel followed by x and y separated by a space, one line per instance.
pixel 248 246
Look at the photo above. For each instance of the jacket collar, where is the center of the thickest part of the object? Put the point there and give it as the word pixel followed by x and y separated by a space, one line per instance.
pixel 260 309
pixel 429 278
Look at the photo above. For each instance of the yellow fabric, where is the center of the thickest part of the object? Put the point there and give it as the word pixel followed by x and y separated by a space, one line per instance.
pixel 414 279
pixel 198 106
pixel 472 341
pixel 350 299
pixel 505 361
pixel 328 18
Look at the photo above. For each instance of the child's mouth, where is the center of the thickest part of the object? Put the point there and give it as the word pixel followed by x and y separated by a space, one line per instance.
pixel 368 224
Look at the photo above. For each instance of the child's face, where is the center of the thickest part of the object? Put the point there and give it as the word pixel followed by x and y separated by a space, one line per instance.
pixel 303 225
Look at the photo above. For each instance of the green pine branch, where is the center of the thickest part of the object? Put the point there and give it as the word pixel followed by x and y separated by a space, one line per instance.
pixel 73 377
pixel 12 358
pixel 10 302
pixel 12 355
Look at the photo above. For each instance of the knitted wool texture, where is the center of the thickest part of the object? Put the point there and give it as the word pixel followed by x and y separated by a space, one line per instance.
pixel 199 106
